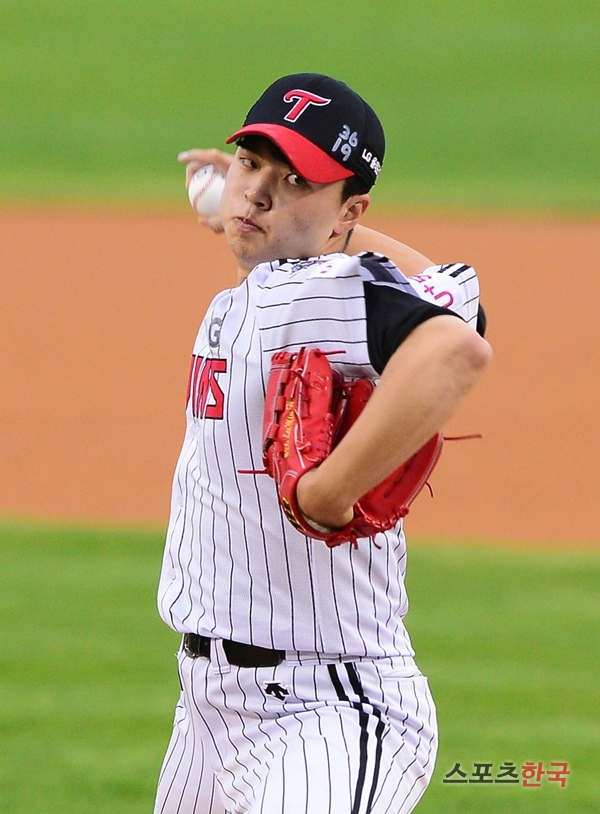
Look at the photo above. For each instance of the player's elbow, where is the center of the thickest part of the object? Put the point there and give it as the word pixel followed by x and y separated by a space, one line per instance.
pixel 469 356
pixel 458 354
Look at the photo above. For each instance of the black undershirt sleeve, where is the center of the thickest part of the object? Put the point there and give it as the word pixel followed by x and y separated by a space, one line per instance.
pixel 391 316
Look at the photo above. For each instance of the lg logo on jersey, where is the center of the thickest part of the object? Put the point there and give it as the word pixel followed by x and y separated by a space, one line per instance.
pixel 207 397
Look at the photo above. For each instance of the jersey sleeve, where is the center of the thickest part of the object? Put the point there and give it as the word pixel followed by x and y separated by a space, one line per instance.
pixel 395 304
pixel 391 316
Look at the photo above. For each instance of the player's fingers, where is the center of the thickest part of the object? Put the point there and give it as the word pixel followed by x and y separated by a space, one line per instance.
pixel 204 156
pixel 196 159
pixel 212 222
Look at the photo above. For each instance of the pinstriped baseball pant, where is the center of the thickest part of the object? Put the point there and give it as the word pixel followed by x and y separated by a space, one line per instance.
pixel 343 738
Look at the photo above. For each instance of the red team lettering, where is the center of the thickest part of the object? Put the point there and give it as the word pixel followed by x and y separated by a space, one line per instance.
pixel 207 397
pixel 442 298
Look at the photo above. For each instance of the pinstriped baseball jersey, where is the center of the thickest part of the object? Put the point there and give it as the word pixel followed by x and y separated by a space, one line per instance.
pixel 234 568
pixel 454 286
pixel 451 285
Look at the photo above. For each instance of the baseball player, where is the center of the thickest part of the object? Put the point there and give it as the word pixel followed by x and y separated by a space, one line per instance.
pixel 300 691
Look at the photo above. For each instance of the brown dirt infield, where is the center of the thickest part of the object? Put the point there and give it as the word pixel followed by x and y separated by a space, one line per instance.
pixel 100 311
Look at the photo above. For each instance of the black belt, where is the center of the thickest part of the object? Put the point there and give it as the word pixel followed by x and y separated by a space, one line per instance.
pixel 238 654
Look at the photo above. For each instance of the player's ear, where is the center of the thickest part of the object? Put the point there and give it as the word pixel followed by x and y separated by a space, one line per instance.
pixel 352 210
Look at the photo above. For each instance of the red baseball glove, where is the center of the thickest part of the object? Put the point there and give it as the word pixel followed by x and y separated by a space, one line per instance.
pixel 309 408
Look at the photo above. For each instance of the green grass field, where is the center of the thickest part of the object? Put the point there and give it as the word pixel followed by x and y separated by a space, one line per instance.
pixel 87 674
pixel 485 104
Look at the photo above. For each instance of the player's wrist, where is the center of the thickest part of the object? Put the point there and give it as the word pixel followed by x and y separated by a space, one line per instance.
pixel 321 507
pixel 316 526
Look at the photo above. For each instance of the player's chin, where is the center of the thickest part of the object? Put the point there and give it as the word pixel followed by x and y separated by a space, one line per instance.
pixel 247 252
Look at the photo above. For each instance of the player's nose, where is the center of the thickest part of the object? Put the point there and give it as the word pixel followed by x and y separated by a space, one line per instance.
pixel 258 193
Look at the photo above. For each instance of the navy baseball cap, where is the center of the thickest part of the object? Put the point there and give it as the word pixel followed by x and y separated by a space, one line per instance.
pixel 325 129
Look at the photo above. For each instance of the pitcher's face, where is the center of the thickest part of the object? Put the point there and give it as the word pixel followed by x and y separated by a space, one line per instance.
pixel 269 212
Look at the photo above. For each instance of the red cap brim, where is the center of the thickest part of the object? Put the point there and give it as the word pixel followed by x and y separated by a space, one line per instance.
pixel 310 161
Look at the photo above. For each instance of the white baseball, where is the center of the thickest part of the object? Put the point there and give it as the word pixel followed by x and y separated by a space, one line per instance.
pixel 205 190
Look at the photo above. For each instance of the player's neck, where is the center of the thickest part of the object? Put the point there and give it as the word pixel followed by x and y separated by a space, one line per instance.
pixel 242 273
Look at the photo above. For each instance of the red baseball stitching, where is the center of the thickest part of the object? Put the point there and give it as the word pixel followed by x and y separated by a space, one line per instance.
pixel 204 189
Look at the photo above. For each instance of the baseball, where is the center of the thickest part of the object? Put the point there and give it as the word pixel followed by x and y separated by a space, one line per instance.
pixel 205 190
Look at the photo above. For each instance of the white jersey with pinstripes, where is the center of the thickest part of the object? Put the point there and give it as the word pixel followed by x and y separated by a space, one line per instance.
pixel 234 568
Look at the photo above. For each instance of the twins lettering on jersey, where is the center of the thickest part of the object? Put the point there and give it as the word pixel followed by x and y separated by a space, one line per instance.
pixel 203 389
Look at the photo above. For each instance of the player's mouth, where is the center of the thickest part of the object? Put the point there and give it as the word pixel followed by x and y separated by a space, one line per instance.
pixel 247 225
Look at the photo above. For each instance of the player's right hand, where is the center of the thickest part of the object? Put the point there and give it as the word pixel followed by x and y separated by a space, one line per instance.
pixel 194 160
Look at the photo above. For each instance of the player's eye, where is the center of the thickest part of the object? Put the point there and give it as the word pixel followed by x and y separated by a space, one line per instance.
pixel 247 161
pixel 296 180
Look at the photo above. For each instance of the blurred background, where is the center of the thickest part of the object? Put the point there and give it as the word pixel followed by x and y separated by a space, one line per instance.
pixel 492 115
pixel 485 104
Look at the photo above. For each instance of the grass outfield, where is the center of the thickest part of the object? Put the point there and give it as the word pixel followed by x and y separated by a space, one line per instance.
pixel 486 105
pixel 508 639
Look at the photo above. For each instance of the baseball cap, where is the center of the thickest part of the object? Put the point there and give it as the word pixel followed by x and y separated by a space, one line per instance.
pixel 325 129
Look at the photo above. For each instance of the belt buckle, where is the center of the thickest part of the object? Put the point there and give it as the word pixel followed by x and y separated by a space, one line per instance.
pixel 196 646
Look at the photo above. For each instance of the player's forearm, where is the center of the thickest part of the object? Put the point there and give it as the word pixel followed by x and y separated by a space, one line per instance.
pixel 423 385
pixel 408 260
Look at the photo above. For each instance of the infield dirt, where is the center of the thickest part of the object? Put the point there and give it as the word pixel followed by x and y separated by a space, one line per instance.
pixel 100 312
